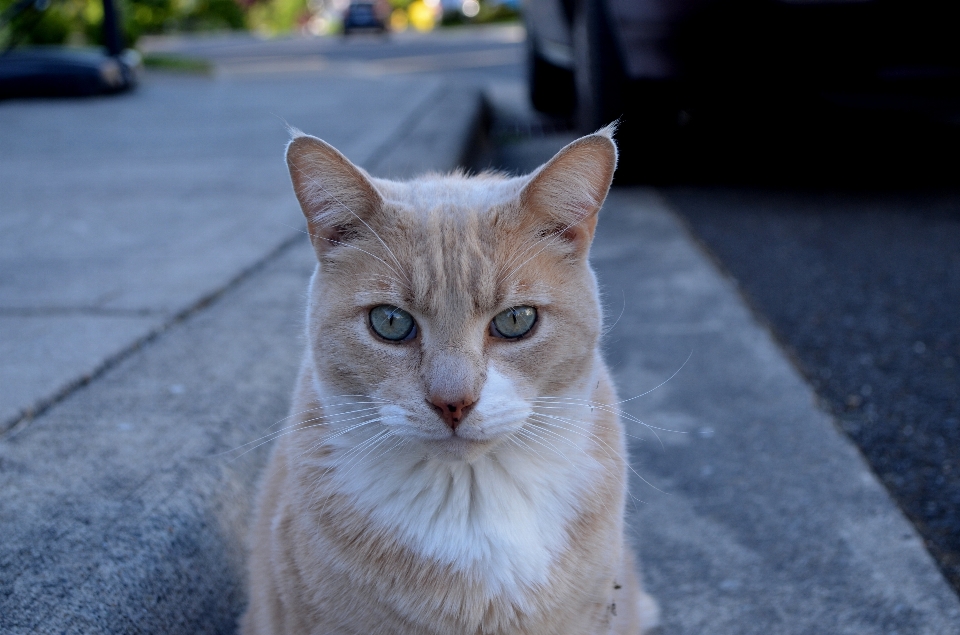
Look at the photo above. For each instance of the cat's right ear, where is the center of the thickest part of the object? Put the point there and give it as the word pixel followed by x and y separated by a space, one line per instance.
pixel 564 196
pixel 337 198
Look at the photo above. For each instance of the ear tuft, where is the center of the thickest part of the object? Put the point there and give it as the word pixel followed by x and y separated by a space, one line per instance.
pixel 609 131
pixel 337 198
pixel 563 197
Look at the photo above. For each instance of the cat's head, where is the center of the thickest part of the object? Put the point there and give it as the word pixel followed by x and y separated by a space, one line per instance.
pixel 454 303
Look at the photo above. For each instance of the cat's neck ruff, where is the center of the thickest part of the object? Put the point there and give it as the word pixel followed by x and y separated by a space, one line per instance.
pixel 502 519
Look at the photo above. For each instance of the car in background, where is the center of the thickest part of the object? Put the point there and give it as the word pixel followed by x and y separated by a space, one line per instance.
pixel 366 16
pixel 653 62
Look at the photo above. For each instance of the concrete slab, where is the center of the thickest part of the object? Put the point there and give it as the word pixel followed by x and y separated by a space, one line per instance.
pixel 122 508
pixel 151 202
pixel 47 353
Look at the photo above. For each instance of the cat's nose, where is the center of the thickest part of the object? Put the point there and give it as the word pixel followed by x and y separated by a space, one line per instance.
pixel 452 413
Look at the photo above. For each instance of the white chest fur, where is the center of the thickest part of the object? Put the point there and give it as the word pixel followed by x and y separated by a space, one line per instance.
pixel 502 519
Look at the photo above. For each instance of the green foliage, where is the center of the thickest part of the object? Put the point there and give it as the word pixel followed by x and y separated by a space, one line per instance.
pixel 277 16
pixel 38 23
pixel 489 12
pixel 179 63
pixel 81 21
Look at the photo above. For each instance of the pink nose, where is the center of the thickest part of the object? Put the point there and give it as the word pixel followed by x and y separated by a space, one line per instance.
pixel 452 413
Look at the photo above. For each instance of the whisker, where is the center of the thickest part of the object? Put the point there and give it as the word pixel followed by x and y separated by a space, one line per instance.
pixel 675 373
pixel 324 441
pixel 335 417
pixel 337 242
pixel 534 437
pixel 327 402
pixel 575 429
pixel 567 407
pixel 568 402
pixel 623 307
pixel 552 238
pixel 625 461
pixel 298 427
pixel 377 440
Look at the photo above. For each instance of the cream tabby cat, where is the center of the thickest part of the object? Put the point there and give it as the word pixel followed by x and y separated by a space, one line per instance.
pixel 452 468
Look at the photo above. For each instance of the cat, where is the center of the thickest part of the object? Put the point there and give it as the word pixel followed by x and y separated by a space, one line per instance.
pixel 454 464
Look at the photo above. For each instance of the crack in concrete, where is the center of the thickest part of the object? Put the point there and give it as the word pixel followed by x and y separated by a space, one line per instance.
pixel 19 422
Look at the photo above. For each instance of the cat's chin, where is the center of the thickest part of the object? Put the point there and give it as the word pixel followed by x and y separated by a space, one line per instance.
pixel 458 448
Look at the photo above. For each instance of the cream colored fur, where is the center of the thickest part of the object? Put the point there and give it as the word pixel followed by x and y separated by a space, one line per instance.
pixel 376 516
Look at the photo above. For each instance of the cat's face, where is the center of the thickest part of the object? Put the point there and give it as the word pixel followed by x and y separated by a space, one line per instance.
pixel 453 304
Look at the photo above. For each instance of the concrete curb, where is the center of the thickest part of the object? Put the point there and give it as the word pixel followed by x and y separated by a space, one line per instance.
pixel 440 138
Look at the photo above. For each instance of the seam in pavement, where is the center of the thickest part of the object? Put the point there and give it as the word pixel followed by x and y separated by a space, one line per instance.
pixel 10 428
pixel 380 154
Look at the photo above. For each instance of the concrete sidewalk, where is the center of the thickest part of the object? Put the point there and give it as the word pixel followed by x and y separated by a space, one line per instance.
pixel 150 242
pixel 119 215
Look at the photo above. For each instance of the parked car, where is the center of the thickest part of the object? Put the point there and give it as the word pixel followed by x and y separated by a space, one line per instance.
pixel 601 59
pixel 367 16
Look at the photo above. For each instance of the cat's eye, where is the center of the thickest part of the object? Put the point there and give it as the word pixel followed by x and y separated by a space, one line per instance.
pixel 514 322
pixel 392 323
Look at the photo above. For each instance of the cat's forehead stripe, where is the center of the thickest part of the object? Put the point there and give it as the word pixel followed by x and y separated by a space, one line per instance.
pixel 452 268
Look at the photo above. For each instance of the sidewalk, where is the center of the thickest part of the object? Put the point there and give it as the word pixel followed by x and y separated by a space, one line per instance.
pixel 150 242
pixel 152 256
pixel 120 215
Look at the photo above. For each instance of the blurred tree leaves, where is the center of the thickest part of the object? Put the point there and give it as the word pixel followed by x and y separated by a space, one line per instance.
pixel 80 21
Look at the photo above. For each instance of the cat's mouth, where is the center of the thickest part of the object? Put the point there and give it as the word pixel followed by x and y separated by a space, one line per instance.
pixel 458 447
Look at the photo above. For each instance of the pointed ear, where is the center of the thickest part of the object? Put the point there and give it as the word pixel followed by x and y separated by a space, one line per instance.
pixel 565 194
pixel 336 196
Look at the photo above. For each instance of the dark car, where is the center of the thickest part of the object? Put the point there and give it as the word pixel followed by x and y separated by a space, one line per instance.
pixel 653 60
pixel 365 16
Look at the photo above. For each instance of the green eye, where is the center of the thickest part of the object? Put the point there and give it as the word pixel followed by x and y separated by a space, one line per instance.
pixel 392 323
pixel 514 322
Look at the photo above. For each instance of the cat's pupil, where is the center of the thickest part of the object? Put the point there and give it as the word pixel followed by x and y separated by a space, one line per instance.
pixel 515 322
pixel 392 323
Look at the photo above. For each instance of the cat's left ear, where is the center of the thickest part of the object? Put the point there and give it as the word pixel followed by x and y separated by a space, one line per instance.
pixel 565 194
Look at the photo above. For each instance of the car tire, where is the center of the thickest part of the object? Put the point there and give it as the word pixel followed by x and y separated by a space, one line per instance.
pixel 551 87
pixel 597 68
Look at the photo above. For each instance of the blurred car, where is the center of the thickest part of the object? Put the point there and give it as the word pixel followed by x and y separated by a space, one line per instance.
pixel 66 72
pixel 603 58
pixel 366 16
